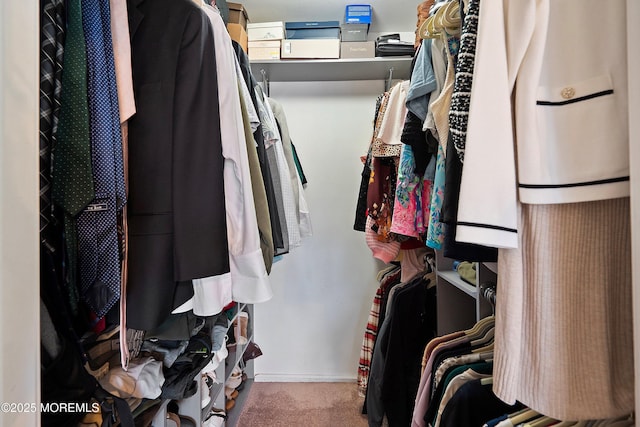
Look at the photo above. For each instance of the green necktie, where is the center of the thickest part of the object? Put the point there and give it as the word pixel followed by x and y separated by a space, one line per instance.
pixel 72 173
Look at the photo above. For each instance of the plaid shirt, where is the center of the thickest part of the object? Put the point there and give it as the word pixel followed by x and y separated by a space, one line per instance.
pixel 390 278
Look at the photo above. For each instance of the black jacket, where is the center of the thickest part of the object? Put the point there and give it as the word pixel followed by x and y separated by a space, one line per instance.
pixel 177 227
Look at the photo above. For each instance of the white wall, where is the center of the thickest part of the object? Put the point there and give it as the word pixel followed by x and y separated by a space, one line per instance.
pixel 19 303
pixel 312 329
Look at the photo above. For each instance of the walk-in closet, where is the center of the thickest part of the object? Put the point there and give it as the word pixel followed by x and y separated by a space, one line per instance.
pixel 283 213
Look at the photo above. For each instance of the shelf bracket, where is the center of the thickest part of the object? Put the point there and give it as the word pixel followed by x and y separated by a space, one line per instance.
pixel 265 81
pixel 389 81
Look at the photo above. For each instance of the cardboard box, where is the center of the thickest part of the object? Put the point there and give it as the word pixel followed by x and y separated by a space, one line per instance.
pixel 357 50
pixel 238 14
pixel 237 33
pixel 313 30
pixel 265 30
pixel 358 14
pixel 354 32
pixel 264 49
pixel 311 49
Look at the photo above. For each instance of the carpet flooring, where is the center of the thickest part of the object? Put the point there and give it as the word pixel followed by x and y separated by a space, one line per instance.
pixel 302 405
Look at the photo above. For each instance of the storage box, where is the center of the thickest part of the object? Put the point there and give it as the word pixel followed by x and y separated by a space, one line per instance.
pixel 264 49
pixel 265 31
pixel 354 32
pixel 358 14
pixel 313 30
pixel 357 50
pixel 238 33
pixel 238 14
pixel 311 49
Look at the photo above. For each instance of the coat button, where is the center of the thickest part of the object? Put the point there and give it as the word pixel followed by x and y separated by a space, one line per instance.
pixel 568 92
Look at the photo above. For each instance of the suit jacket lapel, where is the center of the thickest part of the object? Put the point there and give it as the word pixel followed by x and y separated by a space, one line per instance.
pixel 135 16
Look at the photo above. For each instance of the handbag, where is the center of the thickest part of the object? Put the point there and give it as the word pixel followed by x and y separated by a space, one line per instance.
pixel 391 45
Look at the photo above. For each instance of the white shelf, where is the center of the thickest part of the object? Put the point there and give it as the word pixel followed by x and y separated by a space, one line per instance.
pixel 454 278
pixel 301 70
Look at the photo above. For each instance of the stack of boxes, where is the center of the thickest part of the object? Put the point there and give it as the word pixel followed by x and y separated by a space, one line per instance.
pixel 237 26
pixel 265 40
pixel 307 39
pixel 354 32
pixel 312 40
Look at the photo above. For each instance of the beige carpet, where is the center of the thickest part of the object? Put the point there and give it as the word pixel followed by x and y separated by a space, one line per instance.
pixel 303 405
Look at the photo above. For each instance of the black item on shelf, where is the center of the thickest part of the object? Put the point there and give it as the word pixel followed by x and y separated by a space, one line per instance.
pixel 391 45
pixel 252 351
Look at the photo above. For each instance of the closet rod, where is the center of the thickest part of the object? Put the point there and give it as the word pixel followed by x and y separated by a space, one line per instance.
pixel 488 291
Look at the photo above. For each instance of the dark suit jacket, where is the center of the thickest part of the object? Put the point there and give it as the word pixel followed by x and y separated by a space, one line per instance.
pixel 177 228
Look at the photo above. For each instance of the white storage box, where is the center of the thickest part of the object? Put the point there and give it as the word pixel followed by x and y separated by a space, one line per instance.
pixel 311 49
pixel 265 31
pixel 264 49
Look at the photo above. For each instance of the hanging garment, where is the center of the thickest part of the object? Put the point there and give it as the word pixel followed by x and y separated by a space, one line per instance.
pixel 296 159
pixel 453 248
pixel 280 180
pixel 422 83
pixel 302 212
pixel 376 317
pixel 564 153
pixel 176 234
pixel 259 191
pixel 565 208
pixel 440 105
pixel 249 282
pixel 395 373
pixel 276 230
pixel 461 97
pixel 361 206
pixel 283 130
pixel 455 380
pixel 381 195
pixel 291 203
pixel 412 197
pixel 436 351
pixel 382 249
pixel 563 322
pixel 436 228
pixel 473 404
pixel 439 63
pixel 387 142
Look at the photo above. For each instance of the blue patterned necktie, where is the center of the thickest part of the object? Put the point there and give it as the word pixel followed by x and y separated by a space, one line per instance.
pixel 99 256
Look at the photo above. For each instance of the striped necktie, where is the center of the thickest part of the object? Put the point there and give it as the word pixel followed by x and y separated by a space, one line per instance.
pixel 51 54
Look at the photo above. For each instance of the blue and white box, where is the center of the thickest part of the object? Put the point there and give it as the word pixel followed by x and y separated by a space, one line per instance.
pixel 358 14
